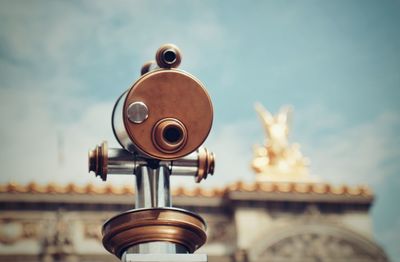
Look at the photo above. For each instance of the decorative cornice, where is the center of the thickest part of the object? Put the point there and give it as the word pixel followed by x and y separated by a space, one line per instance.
pixel 265 187
pixel 301 188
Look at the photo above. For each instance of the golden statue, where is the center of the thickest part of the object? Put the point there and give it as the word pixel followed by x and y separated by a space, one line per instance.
pixel 277 160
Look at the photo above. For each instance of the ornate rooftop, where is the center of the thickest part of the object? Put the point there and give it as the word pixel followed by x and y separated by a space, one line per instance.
pixel 254 187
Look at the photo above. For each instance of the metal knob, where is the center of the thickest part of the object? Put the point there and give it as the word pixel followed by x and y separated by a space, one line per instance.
pixel 137 112
pixel 147 67
pixel 206 164
pixel 168 56
pixel 98 158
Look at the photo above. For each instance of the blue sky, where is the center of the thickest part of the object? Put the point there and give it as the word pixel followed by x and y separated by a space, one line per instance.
pixel 63 64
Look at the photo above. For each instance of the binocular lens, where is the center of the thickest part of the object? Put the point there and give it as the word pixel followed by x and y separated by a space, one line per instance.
pixel 169 135
pixel 169 56
pixel 172 134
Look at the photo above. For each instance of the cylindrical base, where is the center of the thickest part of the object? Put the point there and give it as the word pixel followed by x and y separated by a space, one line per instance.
pixel 165 258
pixel 168 230
pixel 155 248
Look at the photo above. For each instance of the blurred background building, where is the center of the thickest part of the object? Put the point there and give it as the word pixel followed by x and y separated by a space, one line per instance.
pixel 261 221
pixel 286 215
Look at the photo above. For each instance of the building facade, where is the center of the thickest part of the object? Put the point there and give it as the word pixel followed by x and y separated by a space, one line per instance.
pixel 266 221
pixel 286 215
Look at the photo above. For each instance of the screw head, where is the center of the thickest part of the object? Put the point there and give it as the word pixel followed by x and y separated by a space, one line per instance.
pixel 137 112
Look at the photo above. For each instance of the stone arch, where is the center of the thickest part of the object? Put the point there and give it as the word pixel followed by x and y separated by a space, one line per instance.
pixel 317 243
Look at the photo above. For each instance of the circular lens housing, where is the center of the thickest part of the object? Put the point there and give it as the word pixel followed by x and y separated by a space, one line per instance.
pixel 169 135
pixel 167 94
pixel 168 56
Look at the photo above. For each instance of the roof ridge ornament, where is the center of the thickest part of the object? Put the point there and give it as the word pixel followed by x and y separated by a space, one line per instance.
pixel 277 160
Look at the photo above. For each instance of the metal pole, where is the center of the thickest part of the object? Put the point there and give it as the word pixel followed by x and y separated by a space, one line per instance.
pixel 153 191
pixel 152 187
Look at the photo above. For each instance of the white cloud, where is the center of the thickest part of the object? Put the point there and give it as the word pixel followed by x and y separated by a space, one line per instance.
pixel 30 137
pixel 40 95
pixel 360 154
pixel 96 32
pixel 363 153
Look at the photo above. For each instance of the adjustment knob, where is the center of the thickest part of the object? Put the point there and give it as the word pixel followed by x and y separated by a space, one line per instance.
pixel 98 160
pixel 168 56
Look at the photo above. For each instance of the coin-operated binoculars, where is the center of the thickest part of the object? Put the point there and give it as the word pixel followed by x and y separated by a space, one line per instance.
pixel 161 123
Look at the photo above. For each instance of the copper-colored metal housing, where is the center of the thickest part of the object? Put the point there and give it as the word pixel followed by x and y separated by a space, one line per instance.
pixel 168 94
pixel 157 224
pixel 97 160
